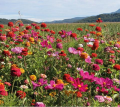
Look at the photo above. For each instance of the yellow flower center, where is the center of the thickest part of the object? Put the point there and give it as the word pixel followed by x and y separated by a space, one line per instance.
pixel 79 86
pixel 53 85
pixel 39 83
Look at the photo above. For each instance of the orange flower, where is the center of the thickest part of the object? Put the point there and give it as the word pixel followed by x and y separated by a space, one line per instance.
pixel 31 39
pixel 32 77
pixel 27 44
pixel 22 70
pixel 99 34
pixel 84 55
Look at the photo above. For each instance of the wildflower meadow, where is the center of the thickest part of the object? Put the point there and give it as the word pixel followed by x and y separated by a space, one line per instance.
pixel 76 64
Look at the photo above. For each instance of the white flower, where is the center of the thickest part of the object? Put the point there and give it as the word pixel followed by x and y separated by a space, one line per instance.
pixel 90 43
pixel 2 63
pixel 80 45
pixel 24 87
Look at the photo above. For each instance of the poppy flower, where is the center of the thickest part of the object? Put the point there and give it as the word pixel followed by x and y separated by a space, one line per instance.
pixel 99 20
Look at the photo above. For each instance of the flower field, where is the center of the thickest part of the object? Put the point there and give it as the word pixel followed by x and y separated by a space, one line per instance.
pixel 60 64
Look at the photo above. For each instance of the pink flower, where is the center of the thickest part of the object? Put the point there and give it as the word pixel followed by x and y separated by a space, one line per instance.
pixel 99 98
pixel 39 104
pixel 7 83
pixel 108 99
pixel 88 60
pixel 54 86
pixel 72 50
pixel 17 50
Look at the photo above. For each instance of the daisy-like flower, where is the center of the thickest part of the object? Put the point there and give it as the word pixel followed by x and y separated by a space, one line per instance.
pixel 41 82
pixel 24 86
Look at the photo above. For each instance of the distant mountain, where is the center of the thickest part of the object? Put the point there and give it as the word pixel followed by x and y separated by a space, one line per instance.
pixel 67 20
pixel 118 11
pixel 105 17
pixel 25 21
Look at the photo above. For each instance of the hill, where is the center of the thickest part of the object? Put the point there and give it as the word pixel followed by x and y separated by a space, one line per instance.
pixel 105 17
pixel 25 21
pixel 67 20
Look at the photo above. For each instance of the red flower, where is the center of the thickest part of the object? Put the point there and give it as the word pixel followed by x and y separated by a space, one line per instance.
pixel 93 32
pixel 47 30
pixel 66 77
pixel 86 40
pixel 28 27
pixel 2 38
pixel 37 27
pixel 80 49
pixel 10 24
pixel 24 52
pixel 62 53
pixel 2 87
pixel 99 20
pixel 21 24
pixel 93 55
pixel 4 93
pixel 6 53
pixel 95 45
pixel 25 31
pixel 78 93
pixel 96 67
pixel 43 25
pixel 79 29
pixel 1 26
pixel 21 94
pixel 92 25
pixel 111 51
pixel 52 32
pixel 58 40
pixel 74 35
pixel 10 34
pixel 98 29
pixel 116 66
pixel 15 71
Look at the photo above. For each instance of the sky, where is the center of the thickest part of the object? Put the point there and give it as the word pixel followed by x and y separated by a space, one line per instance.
pixel 49 10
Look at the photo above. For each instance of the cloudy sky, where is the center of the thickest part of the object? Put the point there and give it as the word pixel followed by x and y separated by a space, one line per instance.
pixel 49 10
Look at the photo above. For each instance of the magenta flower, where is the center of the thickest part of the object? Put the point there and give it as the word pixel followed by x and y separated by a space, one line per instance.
pixel 104 82
pixel 79 85
pixel 54 86
pixel 72 50
pixel 17 50
pixel 41 82
pixel 59 46
pixel 86 76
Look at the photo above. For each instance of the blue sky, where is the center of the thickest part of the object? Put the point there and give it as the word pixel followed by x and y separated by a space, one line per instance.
pixel 49 10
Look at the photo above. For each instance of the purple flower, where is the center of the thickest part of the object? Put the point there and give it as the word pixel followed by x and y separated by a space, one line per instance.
pixel 17 50
pixel 41 82
pixel 54 86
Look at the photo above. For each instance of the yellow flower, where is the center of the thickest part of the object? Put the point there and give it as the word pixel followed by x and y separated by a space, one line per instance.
pixel 118 42
pixel 29 53
pixel 84 55
pixel 14 65
pixel 22 70
pixel 31 39
pixel 98 33
pixel 59 81
pixel 52 94
pixel 21 33
pixel 1 102
pixel 32 77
